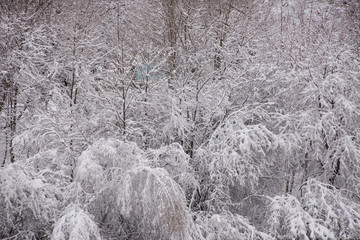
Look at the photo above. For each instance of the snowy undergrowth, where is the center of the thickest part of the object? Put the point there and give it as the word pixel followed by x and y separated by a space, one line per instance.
pixel 121 192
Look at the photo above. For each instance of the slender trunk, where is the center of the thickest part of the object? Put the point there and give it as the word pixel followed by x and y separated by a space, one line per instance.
pixel 170 6
pixel 72 102
pixel 72 90
pixel 217 59
pixel 10 91
pixel 191 149
pixel 73 95
pixel 281 17
pixel 335 172
pixel 124 110
pixel 4 88
pixel 6 148
pixel 305 176
pixel 13 118
pixel 290 182
pixel 287 185
pixel 120 68
pixel 335 166
pixel 73 78
pixel 145 100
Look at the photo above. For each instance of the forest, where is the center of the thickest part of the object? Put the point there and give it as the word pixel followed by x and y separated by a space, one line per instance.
pixel 179 119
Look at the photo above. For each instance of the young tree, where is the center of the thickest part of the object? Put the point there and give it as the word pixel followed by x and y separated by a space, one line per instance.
pixel 22 49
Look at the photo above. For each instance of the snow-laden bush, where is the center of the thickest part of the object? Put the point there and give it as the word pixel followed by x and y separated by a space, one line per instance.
pixel 237 151
pixel 104 159
pixel 227 226
pixel 332 209
pixel 176 162
pixel 75 224
pixel 99 172
pixel 322 213
pixel 29 203
pixel 151 198
pixel 288 220
pixel 171 157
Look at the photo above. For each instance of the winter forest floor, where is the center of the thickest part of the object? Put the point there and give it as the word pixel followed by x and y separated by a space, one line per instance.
pixel 179 119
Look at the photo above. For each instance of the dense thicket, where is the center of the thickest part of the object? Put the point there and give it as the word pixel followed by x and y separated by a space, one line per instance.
pixel 179 119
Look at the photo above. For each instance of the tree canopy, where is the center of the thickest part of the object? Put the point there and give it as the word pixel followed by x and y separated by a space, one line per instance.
pixel 179 119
